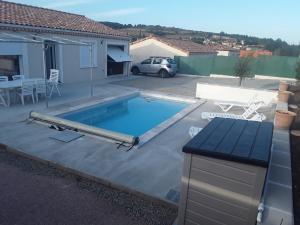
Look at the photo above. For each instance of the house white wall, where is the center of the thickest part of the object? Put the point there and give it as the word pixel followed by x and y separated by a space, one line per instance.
pixel 32 59
pixel 67 58
pixel 151 47
pixel 203 53
pixel 228 53
pixel 70 62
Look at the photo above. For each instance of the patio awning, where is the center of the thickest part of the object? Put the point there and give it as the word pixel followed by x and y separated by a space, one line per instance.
pixel 13 37
pixel 117 54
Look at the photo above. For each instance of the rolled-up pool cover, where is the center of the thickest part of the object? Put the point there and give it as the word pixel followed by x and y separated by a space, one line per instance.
pixel 85 128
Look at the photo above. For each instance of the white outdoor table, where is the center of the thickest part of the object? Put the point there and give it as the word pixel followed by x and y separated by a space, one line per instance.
pixel 11 85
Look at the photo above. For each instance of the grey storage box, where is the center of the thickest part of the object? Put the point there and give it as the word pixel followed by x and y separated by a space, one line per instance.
pixel 224 172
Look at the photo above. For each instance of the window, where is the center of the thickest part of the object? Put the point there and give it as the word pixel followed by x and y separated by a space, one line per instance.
pixel 85 55
pixel 157 61
pixel 9 65
pixel 147 61
pixel 172 61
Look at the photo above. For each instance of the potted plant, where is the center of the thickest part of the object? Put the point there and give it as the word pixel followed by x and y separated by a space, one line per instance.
pixel 283 96
pixel 296 87
pixel 242 69
pixel 284 118
pixel 297 70
pixel 283 86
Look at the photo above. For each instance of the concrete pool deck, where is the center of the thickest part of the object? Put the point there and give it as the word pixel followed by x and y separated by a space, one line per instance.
pixel 154 169
pixel 141 169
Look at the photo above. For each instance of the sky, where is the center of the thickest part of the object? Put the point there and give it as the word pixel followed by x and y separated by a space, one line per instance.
pixel 261 18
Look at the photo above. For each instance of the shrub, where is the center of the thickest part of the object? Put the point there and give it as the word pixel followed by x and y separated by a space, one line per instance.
pixel 242 69
pixel 297 70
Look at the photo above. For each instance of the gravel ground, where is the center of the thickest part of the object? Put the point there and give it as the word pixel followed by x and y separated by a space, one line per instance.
pixel 34 193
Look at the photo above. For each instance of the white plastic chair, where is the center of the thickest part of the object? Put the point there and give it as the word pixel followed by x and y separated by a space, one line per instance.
pixel 40 88
pixel 245 116
pixel 2 93
pixel 18 77
pixel 193 131
pixel 27 89
pixel 3 78
pixel 53 82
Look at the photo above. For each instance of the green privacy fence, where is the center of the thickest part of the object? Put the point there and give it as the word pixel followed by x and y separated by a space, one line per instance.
pixel 195 65
pixel 224 65
pixel 280 66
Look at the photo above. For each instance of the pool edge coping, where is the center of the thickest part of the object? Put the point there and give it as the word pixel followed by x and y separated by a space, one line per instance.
pixel 153 132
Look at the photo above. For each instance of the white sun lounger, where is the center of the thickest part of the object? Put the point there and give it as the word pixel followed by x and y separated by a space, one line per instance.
pixel 226 106
pixel 249 114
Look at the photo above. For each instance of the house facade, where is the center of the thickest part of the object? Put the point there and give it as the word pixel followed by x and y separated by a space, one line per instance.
pixel 34 40
pixel 166 47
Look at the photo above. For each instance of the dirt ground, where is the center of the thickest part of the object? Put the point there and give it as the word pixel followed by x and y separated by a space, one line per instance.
pixel 34 193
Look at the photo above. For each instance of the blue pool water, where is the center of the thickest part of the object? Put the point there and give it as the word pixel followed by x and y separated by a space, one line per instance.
pixel 133 116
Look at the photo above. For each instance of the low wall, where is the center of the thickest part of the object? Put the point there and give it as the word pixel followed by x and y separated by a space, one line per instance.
pixel 234 94
pixel 222 76
pixel 262 77
pixel 274 78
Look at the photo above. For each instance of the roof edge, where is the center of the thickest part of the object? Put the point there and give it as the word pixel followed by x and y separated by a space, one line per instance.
pixel 14 27
pixel 166 43
pixel 140 40
pixel 157 39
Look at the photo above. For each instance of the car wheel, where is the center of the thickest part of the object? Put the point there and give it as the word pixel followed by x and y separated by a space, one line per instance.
pixel 163 73
pixel 135 71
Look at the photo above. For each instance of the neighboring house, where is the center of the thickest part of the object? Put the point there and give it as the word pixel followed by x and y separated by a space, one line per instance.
pixel 226 51
pixel 166 47
pixel 69 42
pixel 255 53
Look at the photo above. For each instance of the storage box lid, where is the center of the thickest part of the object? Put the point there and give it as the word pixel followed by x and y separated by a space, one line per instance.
pixel 234 140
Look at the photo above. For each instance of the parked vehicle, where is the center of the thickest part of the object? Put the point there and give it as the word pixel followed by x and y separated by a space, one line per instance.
pixel 164 66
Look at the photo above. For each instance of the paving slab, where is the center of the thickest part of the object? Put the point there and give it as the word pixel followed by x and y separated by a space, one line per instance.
pixel 101 158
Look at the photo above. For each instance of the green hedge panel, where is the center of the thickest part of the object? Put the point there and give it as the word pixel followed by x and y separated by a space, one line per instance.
pixel 280 66
pixel 195 65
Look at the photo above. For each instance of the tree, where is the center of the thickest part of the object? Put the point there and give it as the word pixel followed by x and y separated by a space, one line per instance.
pixel 242 69
pixel 297 70
pixel 198 40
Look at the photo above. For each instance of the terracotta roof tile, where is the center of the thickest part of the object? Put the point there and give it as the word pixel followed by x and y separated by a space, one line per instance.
pixel 183 45
pixel 25 15
pixel 186 45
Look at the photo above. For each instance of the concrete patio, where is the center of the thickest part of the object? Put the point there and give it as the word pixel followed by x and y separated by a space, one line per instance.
pixel 102 159
pixel 154 169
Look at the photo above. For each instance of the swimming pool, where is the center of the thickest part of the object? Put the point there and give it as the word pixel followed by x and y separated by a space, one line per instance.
pixel 134 115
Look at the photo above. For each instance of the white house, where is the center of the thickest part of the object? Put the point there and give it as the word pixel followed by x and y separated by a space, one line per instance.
pixel 34 40
pixel 166 47
pixel 223 51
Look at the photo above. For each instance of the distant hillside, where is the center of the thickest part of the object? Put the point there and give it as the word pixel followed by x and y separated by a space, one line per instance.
pixel 278 47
